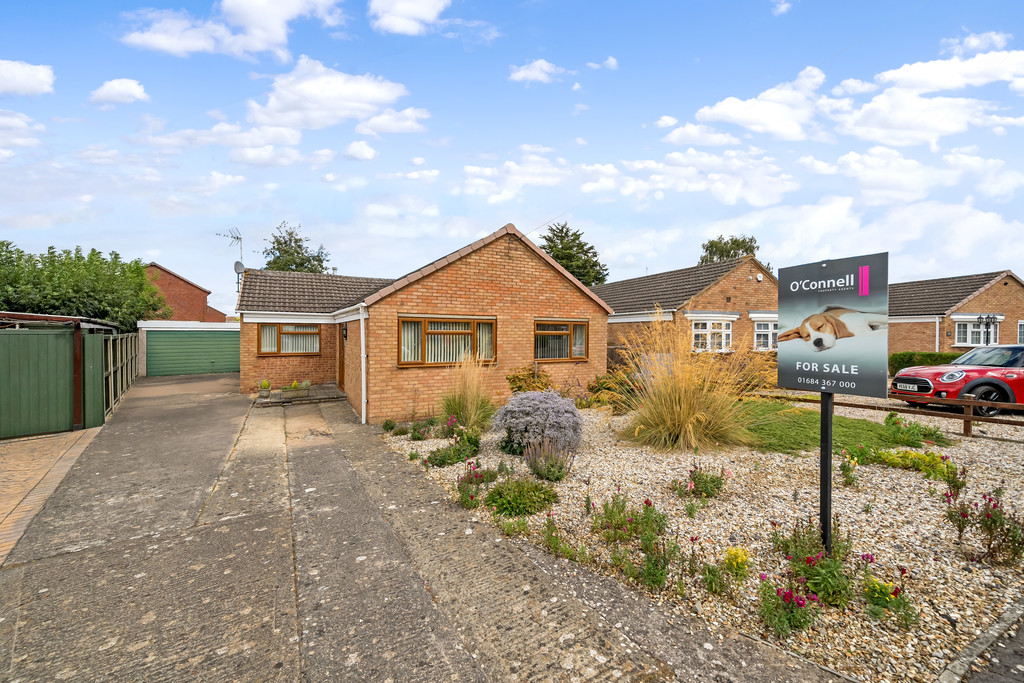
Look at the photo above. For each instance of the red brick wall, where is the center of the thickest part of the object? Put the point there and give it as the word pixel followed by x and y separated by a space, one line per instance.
pixel 186 301
pixel 914 336
pixel 504 279
pixel 280 370
pixel 353 386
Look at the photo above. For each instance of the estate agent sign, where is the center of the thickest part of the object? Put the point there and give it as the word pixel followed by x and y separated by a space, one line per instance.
pixel 833 326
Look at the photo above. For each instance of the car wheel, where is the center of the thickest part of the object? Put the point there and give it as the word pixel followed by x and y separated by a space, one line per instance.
pixel 987 392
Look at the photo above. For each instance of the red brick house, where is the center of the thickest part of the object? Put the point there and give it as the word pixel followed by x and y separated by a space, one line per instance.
pixel 389 344
pixel 942 314
pixel 186 299
pixel 720 304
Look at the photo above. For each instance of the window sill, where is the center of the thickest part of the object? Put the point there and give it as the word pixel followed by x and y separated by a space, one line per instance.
pixel 560 360
pixel 285 355
pixel 410 366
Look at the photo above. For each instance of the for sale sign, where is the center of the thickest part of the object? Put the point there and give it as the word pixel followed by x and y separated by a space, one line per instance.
pixel 833 326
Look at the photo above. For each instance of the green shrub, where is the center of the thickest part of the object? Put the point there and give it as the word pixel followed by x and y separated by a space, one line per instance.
pixel 619 524
pixel 460 451
pixel 400 430
pixel 420 430
pixel 701 482
pixel 388 425
pixel 906 359
pixel 533 416
pixel 526 379
pixel 517 526
pixel 520 496
pixel 931 465
pixel 787 608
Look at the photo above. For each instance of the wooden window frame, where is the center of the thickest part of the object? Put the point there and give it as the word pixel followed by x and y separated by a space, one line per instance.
pixel 259 340
pixel 425 323
pixel 571 323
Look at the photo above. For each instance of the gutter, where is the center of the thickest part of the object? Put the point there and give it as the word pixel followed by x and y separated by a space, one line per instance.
pixel 362 356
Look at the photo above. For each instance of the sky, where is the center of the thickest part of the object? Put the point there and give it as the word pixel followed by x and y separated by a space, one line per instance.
pixel 397 131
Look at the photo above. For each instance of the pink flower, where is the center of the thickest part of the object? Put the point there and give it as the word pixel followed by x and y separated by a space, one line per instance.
pixel 763 577
pixel 728 474
pixel 800 602
pixel 689 486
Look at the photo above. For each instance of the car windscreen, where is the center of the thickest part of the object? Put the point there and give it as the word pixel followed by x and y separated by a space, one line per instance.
pixel 993 356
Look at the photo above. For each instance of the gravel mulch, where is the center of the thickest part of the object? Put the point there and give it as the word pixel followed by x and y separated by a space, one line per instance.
pixel 896 515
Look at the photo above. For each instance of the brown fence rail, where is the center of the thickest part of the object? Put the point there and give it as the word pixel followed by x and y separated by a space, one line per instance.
pixel 968 405
pixel 120 368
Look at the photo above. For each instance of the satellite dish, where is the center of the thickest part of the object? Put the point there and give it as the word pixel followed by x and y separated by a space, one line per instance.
pixel 239 267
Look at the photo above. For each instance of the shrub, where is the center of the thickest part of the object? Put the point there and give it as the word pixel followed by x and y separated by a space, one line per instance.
pixel 528 379
pixel 931 465
pixel 420 430
pixel 520 496
pixel 265 384
pixel 466 397
pixel 786 608
pixel 400 430
pixel 906 359
pixel 460 451
pixel 714 579
pixel 546 462
pixel 618 524
pixel 1001 531
pixel 533 416
pixel 388 425
pixel 516 526
pixel 685 399
pixel 560 548
pixel 904 432
pixel 702 482
pixel 737 564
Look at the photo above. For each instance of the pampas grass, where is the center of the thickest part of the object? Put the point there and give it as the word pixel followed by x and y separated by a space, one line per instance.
pixel 466 396
pixel 687 400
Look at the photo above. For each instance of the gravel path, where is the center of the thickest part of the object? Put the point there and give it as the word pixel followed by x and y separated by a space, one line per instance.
pixel 896 515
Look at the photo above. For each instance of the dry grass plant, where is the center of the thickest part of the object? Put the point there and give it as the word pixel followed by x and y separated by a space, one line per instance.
pixel 687 400
pixel 467 397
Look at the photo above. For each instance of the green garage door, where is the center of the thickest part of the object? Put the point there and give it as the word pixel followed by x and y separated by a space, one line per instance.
pixel 191 352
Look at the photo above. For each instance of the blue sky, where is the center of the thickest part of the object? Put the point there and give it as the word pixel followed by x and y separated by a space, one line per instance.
pixel 396 131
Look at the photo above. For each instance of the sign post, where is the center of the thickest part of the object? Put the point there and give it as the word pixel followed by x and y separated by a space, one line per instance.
pixel 833 322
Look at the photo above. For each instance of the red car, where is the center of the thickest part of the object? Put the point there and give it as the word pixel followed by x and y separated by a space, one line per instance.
pixel 991 373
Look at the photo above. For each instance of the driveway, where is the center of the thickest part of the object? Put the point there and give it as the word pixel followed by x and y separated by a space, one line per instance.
pixel 198 538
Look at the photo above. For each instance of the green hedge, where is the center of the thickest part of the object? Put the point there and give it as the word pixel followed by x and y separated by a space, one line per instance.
pixel 906 359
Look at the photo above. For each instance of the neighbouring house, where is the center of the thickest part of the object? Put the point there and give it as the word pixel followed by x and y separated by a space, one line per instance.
pixel 186 299
pixel 390 344
pixel 719 304
pixel 953 314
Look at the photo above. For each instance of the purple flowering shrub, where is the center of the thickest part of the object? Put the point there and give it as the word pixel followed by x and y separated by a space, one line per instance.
pixel 530 417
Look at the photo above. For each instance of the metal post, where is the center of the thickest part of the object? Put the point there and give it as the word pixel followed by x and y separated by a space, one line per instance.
pixel 825 494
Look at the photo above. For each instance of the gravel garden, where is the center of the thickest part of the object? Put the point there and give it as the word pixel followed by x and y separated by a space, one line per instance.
pixel 686 487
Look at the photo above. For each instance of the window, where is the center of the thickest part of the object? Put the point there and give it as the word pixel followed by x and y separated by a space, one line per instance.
pixel 423 341
pixel 712 335
pixel 766 336
pixel 281 339
pixel 1020 332
pixel 560 341
pixel 973 334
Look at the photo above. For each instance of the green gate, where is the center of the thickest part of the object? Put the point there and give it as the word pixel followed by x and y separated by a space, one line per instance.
pixel 191 352
pixel 37 392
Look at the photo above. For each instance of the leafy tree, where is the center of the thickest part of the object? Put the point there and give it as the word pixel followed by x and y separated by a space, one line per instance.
pixel 723 248
pixel 568 248
pixel 74 283
pixel 288 251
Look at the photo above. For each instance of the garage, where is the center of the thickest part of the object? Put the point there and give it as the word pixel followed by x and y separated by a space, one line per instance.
pixel 171 347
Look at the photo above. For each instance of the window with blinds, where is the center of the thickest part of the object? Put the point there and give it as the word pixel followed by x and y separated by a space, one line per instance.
pixel 422 341
pixel 560 341
pixel 282 339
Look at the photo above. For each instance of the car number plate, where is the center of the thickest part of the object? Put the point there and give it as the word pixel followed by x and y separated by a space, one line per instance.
pixel 906 387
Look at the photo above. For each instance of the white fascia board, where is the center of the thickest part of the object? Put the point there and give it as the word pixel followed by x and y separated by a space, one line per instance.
pixel 185 325
pixel 764 316
pixel 973 317
pixel 711 315
pixel 641 316
pixel 344 315
pixel 287 317
pixel 915 318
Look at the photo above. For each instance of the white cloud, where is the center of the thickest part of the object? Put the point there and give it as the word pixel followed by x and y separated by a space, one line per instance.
pixel 819 167
pixel 408 17
pixel 263 27
pixel 360 151
pixel 5 154
pixel 995 180
pixel 391 121
pixel 345 183
pixel 698 134
pixel 118 91
pixel 611 63
pixel 217 115
pixel 975 42
pixel 578 109
pixel 784 111
pixel 22 78
pixel 417 161
pixel 18 130
pixel 887 177
pixel 215 182
pixel 581 141
pixel 314 96
pixel 539 70
pixel 955 73
pixel 666 122
pixel 780 7
pixel 227 135
pixel 271 155
pixel 505 182
pixel 426 175
pixel 576 86
pixel 853 86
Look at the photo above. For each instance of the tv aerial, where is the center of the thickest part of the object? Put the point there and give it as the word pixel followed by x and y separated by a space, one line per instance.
pixel 235 235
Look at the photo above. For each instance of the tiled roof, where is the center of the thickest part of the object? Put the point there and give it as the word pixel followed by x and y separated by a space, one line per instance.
pixel 276 290
pixel 665 290
pixel 936 297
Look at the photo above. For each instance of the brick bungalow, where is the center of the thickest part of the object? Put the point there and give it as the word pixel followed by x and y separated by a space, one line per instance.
pixel 942 314
pixel 389 344
pixel 718 303
pixel 186 299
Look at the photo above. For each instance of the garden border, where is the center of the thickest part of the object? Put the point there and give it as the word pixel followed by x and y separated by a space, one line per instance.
pixel 961 666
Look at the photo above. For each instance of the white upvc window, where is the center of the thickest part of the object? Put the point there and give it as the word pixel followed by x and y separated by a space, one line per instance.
pixel 766 336
pixel 712 335
pixel 973 334
pixel 1020 331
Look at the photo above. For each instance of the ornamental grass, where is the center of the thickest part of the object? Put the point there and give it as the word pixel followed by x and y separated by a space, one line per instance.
pixel 467 397
pixel 685 400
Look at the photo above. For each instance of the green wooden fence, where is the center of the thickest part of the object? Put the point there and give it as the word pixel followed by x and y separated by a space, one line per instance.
pixel 37 392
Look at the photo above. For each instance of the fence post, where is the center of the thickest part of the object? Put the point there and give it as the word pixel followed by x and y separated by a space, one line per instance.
pixel 968 411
